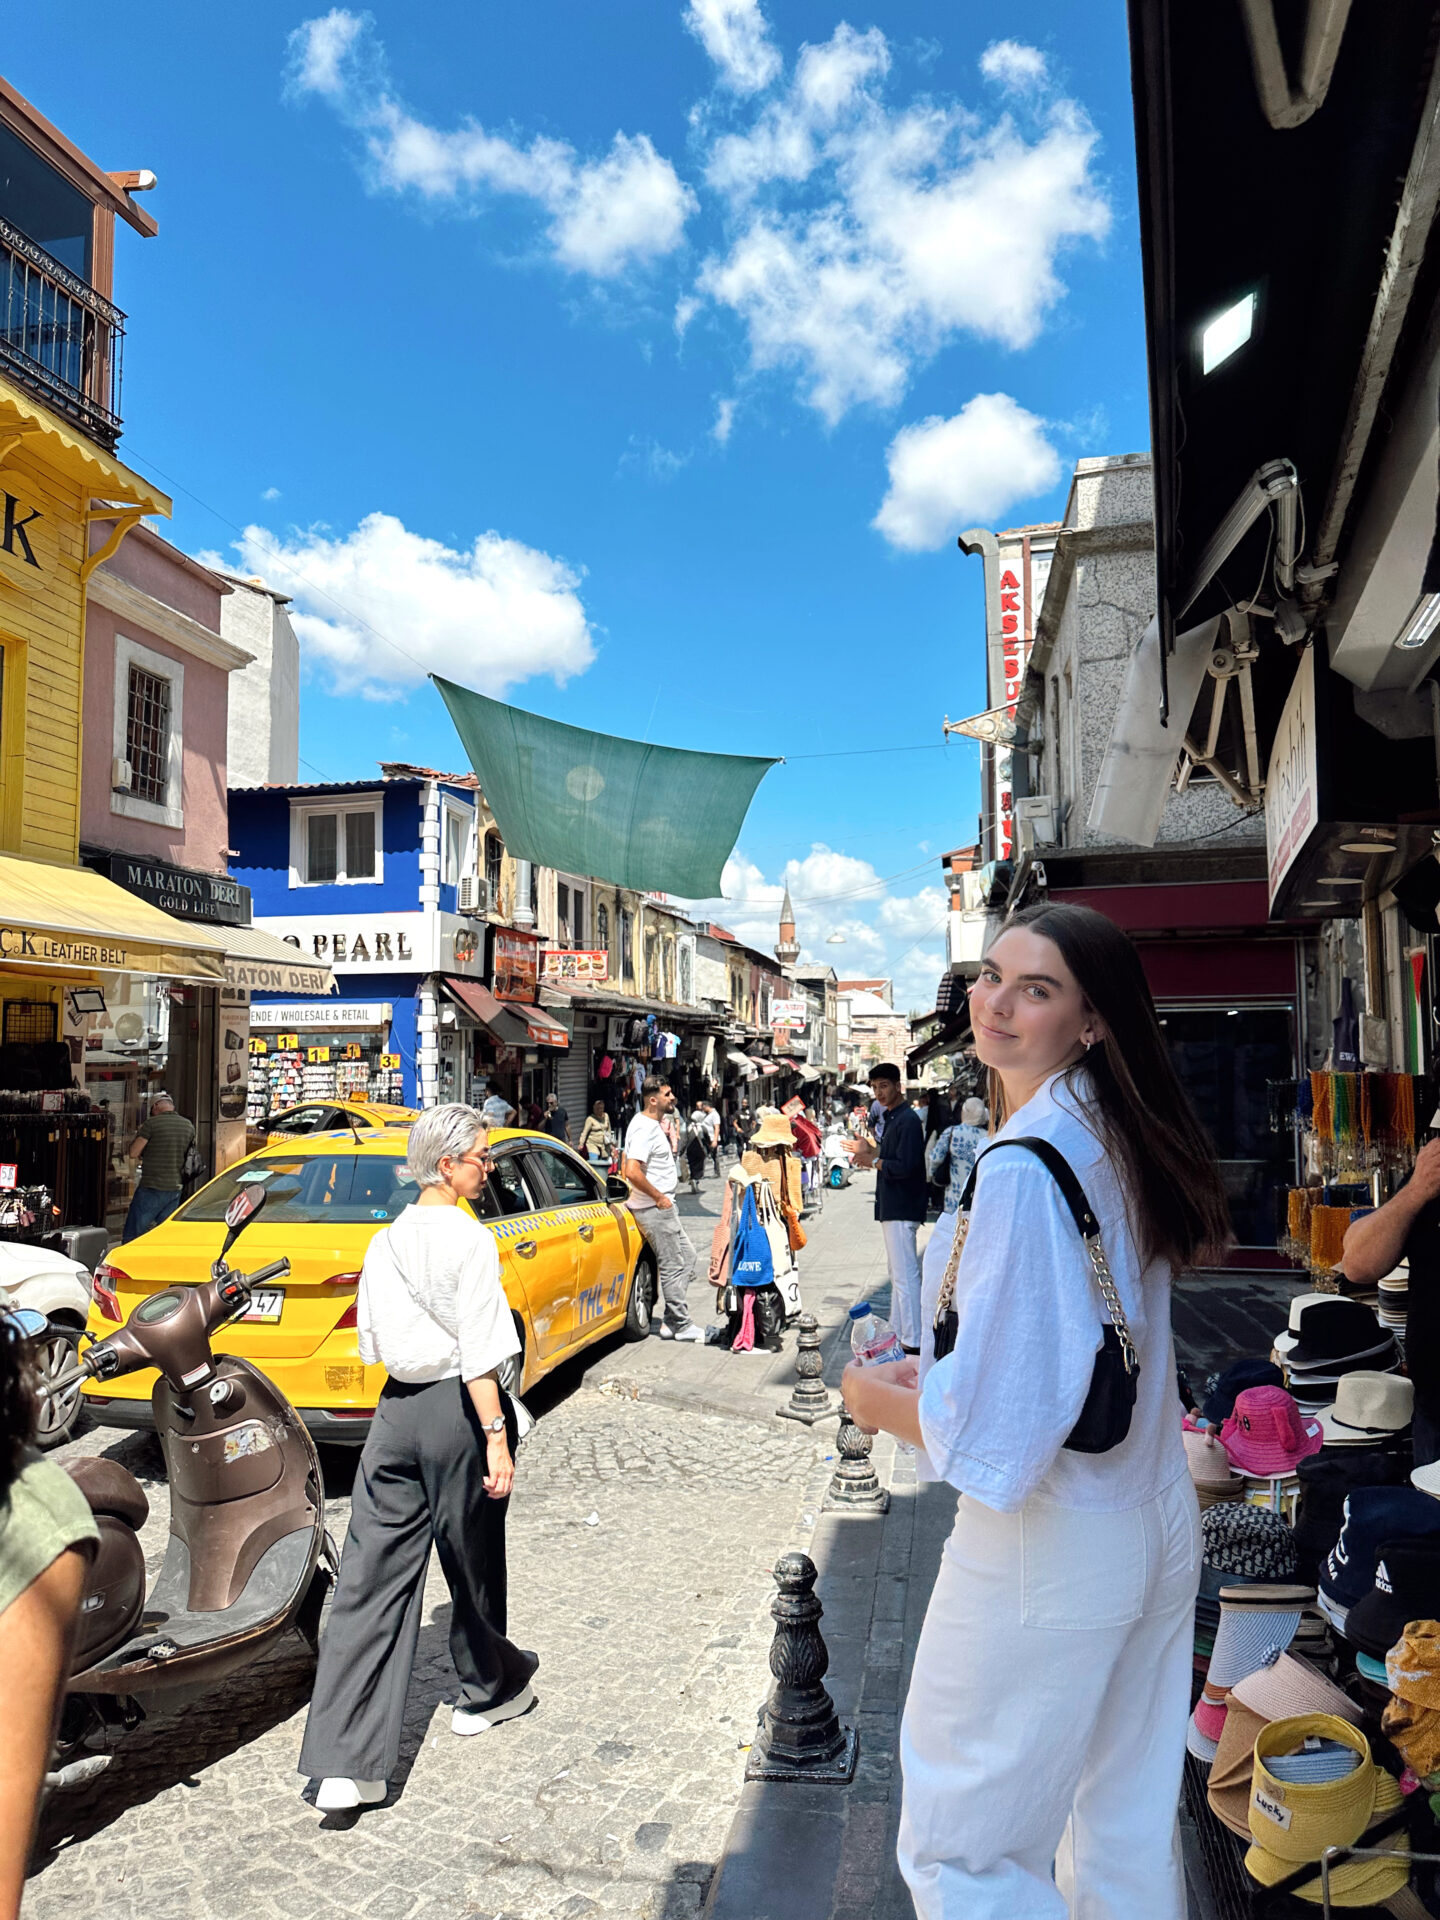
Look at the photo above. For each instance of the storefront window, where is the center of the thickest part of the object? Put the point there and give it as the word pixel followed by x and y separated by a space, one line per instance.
pixel 494 854
pixel 1224 1057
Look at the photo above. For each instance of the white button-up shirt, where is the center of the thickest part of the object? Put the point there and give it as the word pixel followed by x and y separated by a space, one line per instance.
pixel 995 1413
pixel 432 1306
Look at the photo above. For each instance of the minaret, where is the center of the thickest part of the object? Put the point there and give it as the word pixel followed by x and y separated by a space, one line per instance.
pixel 787 947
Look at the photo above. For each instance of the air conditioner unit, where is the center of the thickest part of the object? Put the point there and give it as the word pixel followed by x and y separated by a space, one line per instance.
pixel 121 777
pixel 472 894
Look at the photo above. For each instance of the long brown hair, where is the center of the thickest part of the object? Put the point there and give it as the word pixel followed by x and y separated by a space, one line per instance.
pixel 1142 1113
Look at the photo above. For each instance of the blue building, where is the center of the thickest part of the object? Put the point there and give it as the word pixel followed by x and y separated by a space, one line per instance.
pixel 368 876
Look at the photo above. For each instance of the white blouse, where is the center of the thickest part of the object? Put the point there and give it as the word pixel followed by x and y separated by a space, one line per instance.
pixel 432 1305
pixel 996 1412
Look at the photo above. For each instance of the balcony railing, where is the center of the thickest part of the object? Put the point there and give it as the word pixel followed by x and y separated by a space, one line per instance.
pixel 59 338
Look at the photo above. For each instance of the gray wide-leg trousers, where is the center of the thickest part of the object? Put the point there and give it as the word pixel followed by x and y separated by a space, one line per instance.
pixel 419 1479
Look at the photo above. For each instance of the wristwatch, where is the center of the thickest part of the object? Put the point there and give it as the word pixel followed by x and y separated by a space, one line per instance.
pixel 497 1425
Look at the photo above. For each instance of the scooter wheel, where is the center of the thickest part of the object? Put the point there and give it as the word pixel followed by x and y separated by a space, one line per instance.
pixel 837 1177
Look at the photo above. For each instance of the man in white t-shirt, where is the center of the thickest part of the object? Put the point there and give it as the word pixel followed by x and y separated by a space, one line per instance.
pixel 497 1110
pixel 649 1165
pixel 712 1133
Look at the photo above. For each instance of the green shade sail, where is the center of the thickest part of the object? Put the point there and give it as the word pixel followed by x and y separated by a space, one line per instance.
pixel 658 819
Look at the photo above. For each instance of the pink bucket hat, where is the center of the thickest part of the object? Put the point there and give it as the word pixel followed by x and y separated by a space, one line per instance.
pixel 1267 1434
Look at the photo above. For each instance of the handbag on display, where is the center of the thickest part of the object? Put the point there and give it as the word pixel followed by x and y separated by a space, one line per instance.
pixel 1114 1381
pixel 752 1260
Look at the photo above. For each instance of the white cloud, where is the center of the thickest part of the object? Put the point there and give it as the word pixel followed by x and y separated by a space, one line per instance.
pixel 271 493
pixel 946 475
pixel 724 421
pixel 736 35
pixel 917 979
pixel 1013 66
pixel 625 209
pixel 645 455
pixel 865 237
pixel 914 915
pixel 494 614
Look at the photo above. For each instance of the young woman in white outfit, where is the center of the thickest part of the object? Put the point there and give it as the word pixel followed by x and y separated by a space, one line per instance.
pixel 1044 1733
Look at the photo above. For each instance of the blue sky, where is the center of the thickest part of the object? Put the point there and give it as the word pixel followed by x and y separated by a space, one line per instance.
pixel 637 364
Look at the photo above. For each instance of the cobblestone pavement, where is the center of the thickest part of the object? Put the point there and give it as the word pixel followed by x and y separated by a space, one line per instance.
pixel 640 1540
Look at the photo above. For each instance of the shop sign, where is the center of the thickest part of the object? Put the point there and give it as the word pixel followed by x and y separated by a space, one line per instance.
pixel 325 1013
pixel 789 1013
pixel 181 890
pixel 564 964
pixel 515 965
pixel 793 1108
pixel 358 942
pixel 389 1063
pixel 464 945
pixel 9 1174
pixel 270 976
pixel 1292 780
pixel 790 1040
pixel 28 542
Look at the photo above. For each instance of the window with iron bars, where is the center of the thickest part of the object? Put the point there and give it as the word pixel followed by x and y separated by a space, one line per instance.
pixel 147 735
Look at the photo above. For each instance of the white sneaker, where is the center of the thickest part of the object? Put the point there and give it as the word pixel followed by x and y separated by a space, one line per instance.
pixel 468 1720
pixel 689 1333
pixel 340 1796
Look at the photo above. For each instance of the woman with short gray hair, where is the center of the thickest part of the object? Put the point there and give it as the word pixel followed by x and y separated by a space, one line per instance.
pixel 436 1466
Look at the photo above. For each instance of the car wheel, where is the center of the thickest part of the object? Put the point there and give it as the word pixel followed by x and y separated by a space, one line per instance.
pixel 55 1350
pixel 642 1299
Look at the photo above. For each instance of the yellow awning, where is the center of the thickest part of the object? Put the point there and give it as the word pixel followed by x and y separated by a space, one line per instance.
pixel 264 962
pixel 73 919
pixel 73 454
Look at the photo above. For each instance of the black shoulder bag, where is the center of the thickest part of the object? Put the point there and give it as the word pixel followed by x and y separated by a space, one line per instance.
pixel 1105 1417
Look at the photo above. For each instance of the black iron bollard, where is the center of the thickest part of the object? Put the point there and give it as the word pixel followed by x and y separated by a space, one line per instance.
pixel 854 1482
pixel 810 1399
pixel 800 1736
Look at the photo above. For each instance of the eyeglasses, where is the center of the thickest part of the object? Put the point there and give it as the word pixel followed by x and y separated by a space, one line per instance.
pixel 484 1161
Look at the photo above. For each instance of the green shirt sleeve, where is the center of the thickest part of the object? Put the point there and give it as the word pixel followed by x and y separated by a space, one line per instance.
pixel 45 1513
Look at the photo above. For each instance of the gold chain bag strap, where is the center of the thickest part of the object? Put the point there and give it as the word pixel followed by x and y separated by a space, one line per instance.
pixel 1105 1418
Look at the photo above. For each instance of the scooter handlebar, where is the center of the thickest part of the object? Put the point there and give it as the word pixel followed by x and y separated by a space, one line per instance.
pixel 276 1270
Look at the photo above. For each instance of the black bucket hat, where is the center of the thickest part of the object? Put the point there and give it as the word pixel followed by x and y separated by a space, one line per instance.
pixel 1407 1587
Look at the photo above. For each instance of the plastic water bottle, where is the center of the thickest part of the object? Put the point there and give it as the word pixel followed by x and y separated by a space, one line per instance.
pixel 873 1341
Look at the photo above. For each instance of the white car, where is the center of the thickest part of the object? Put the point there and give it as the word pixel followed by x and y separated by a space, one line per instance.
pixel 60 1289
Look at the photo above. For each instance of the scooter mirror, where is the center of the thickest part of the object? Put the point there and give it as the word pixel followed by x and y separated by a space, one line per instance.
pixel 241 1211
pixel 24 1322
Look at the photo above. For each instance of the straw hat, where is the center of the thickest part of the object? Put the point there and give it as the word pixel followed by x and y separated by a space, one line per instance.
pixel 1233 1768
pixel 1358 1883
pixel 1209 1463
pixel 1368 1408
pixel 1289 1688
pixel 1293 1822
pixel 1266 1433
pixel 774 1130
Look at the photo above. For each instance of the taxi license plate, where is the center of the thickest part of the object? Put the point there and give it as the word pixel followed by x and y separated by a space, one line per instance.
pixel 265 1304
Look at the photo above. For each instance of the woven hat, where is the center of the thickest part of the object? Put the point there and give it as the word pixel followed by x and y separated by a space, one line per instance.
pixel 1222 1388
pixel 1358 1883
pixel 1208 1461
pixel 1245 1542
pixel 1372 1516
pixel 1267 1434
pixel 1368 1408
pixel 1284 1342
pixel 1233 1767
pixel 1295 1821
pixel 1412 1666
pixel 1334 1329
pixel 1289 1687
pixel 1257 1622
pixel 1427 1479
pixel 1406 1588
pixel 774 1130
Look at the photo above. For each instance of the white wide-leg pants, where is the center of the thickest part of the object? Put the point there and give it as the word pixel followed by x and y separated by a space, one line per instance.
pixel 902 1258
pixel 1052 1687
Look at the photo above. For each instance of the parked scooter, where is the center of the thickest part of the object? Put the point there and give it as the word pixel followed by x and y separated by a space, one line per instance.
pixel 58 1288
pixel 248 1557
pixel 835 1155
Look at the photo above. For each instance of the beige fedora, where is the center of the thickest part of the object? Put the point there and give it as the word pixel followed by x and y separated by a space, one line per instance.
pixel 1367 1408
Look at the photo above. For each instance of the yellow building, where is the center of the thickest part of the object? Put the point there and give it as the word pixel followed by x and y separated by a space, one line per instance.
pixel 64 930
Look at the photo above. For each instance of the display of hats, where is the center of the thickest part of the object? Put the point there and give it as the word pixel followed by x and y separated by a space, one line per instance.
pixel 1332 1330
pixel 1210 1469
pixel 1285 1342
pixel 1372 1516
pixel 1393 1296
pixel 1293 1821
pixel 1266 1432
pixel 1221 1389
pixel 1368 1409
pixel 1244 1543
pixel 1406 1587
pixel 1427 1479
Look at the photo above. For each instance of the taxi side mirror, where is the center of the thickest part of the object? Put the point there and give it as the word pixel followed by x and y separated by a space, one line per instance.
pixel 616 1188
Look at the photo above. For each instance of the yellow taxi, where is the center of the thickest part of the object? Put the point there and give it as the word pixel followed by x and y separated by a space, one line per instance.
pixel 326 1116
pixel 574 1265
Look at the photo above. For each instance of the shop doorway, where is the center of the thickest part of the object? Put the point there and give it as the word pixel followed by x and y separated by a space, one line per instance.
pixel 1225 1055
